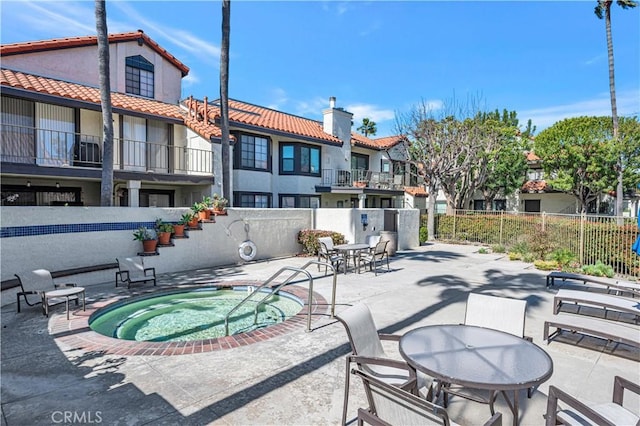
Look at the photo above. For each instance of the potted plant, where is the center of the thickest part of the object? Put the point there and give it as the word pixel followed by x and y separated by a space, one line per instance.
pixel 178 228
pixel 219 204
pixel 164 230
pixel 148 238
pixel 201 210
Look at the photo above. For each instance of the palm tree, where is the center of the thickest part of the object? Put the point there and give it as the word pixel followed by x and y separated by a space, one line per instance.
pixel 368 127
pixel 603 9
pixel 224 98
pixel 106 186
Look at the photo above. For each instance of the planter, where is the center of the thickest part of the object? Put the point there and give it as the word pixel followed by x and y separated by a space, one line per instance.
pixel 178 230
pixel 219 211
pixel 164 238
pixel 360 184
pixel 204 214
pixel 193 223
pixel 149 246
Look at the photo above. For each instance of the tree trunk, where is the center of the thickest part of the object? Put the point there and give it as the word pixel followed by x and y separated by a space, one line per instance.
pixel 106 185
pixel 431 212
pixel 224 100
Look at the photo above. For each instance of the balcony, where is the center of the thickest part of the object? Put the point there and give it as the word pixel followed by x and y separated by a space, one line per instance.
pixel 29 145
pixel 362 179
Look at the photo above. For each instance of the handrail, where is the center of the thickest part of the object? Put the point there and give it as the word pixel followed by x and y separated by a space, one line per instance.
pixel 279 286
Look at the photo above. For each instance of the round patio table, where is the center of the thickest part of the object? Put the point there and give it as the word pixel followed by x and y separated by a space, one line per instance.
pixel 67 293
pixel 478 358
pixel 350 250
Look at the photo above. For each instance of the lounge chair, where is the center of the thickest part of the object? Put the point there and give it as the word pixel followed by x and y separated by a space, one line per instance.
pixel 368 353
pixel 583 413
pixel 390 405
pixel 598 300
pixel 498 313
pixel 35 285
pixel 375 257
pixel 614 331
pixel 610 284
pixel 132 271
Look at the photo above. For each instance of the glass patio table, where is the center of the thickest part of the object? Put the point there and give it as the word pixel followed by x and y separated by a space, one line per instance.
pixel 351 250
pixel 478 358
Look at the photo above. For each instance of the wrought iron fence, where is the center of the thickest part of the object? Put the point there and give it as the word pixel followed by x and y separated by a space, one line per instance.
pixel 590 238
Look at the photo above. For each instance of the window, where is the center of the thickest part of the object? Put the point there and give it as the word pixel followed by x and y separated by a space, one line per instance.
pixel 478 204
pixel 532 206
pixel 139 76
pixel 299 159
pixel 18 134
pixel 499 205
pixel 254 153
pixel 256 200
pixel 359 162
pixel 300 201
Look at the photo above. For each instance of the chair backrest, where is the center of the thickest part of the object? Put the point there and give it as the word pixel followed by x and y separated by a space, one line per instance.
pixel 381 247
pixel 372 240
pixel 498 313
pixel 133 265
pixel 327 241
pixel 37 280
pixel 362 331
pixel 395 406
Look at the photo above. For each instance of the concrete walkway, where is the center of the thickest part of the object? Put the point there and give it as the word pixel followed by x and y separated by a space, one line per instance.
pixel 296 378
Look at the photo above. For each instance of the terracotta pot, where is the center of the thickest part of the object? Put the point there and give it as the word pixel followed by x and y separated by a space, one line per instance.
pixel 164 238
pixel 204 215
pixel 193 223
pixel 219 212
pixel 178 230
pixel 149 246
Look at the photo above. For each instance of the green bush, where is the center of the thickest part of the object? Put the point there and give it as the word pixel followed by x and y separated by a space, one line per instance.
pixel 309 239
pixel 483 250
pixel 546 265
pixel 563 257
pixel 498 248
pixel 514 255
pixel 598 270
pixel 424 234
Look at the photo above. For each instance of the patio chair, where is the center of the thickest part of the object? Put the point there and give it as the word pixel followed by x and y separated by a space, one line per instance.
pixel 579 412
pixel 368 353
pixel 34 287
pixel 372 240
pixel 497 313
pixel 390 405
pixel 329 254
pixel 375 257
pixel 132 271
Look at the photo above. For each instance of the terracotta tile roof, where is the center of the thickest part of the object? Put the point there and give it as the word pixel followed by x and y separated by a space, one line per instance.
pixel 70 42
pixel 378 143
pixel 535 186
pixel 416 191
pixel 531 156
pixel 79 92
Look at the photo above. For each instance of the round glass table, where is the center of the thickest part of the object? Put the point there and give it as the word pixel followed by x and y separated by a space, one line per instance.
pixel 478 358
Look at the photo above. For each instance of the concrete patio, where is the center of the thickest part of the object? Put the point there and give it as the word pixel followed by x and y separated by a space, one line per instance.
pixel 296 378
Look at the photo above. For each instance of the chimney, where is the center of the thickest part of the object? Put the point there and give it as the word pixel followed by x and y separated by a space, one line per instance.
pixel 332 102
pixel 206 113
pixel 337 122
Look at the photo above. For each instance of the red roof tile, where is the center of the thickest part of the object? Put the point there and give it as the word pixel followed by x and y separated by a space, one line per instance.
pixel 416 191
pixel 531 156
pixel 535 186
pixel 63 89
pixel 70 42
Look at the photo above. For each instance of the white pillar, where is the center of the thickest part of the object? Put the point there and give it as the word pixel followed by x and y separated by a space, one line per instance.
pixel 134 192
pixel 361 198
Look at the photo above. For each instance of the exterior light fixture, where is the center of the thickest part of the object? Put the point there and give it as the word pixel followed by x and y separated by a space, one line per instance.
pixel 28 184
pixel 57 184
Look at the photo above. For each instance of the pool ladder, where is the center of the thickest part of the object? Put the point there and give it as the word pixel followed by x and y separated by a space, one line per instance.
pixel 296 272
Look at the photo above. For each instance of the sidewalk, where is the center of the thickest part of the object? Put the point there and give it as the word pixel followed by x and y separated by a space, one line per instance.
pixel 296 378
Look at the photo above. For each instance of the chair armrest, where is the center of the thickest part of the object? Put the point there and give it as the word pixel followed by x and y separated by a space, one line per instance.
pixel 392 337
pixel 619 385
pixel 152 270
pixel 556 395
pixel 495 420
pixel 30 292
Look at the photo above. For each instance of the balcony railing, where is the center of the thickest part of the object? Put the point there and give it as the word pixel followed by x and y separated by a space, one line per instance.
pixel 29 145
pixel 362 179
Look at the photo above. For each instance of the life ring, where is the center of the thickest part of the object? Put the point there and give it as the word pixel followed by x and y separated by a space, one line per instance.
pixel 247 250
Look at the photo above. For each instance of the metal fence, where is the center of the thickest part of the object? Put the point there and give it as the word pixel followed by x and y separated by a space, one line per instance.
pixel 590 238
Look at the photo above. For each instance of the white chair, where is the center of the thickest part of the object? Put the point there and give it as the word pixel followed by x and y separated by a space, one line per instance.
pixel 132 271
pixel 35 285
pixel 583 413
pixel 370 357
pixel 375 257
pixel 331 256
pixel 389 405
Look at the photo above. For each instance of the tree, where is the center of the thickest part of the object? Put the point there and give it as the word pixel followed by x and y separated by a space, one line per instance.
pixel 579 157
pixel 368 127
pixel 603 9
pixel 224 99
pixel 106 185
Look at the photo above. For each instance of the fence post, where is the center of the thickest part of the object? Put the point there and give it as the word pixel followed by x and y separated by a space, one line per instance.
pixel 583 219
pixel 544 216
pixel 501 220
pixel 453 237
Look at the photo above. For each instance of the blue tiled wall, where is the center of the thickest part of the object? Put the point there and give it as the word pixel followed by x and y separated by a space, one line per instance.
pixel 34 230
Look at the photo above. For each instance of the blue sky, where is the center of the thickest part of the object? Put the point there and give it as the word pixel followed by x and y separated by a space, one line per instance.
pixel 545 60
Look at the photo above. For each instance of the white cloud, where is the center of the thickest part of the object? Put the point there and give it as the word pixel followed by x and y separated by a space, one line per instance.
pixel 279 99
pixel 628 104
pixel 56 19
pixel 372 112
pixel 312 107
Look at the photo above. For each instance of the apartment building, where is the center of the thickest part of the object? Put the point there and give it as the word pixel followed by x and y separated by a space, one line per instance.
pixel 167 150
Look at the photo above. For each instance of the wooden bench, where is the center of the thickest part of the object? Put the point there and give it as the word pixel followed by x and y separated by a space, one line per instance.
pixel 599 300
pixel 609 283
pixel 629 334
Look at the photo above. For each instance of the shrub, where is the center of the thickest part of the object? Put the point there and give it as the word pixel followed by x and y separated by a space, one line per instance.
pixel 563 257
pixel 423 235
pixel 599 270
pixel 541 243
pixel 309 239
pixel 483 250
pixel 498 248
pixel 546 265
pixel 514 255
